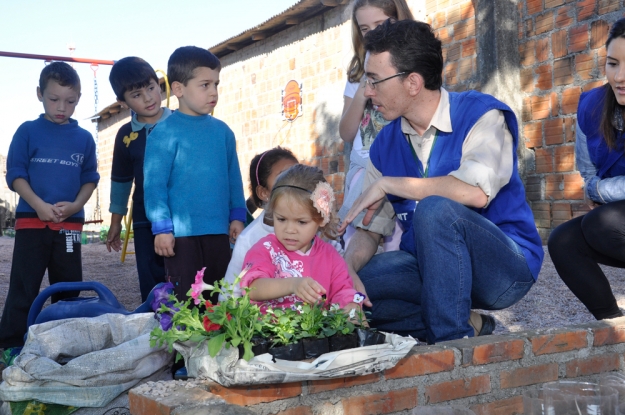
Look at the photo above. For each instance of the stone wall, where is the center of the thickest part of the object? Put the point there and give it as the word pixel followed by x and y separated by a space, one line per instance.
pixel 486 374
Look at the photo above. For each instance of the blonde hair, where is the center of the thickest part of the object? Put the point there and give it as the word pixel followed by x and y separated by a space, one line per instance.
pixel 394 9
pixel 298 183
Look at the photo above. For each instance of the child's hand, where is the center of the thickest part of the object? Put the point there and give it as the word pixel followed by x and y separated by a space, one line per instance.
pixel 356 307
pixel 236 227
pixel 164 244
pixel 65 210
pixel 48 213
pixel 113 239
pixel 307 289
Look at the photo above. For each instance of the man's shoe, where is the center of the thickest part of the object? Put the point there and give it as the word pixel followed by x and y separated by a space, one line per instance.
pixel 483 324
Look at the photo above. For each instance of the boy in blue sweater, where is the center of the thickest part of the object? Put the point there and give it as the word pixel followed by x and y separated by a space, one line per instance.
pixel 193 187
pixel 136 86
pixel 52 166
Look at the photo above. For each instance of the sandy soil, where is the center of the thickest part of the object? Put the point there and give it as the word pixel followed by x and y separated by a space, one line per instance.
pixel 548 304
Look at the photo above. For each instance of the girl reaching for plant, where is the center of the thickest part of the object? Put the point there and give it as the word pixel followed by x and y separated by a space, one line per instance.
pixel 264 169
pixel 361 122
pixel 295 264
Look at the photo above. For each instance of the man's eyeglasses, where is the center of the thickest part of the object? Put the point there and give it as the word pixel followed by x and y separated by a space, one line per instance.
pixel 371 84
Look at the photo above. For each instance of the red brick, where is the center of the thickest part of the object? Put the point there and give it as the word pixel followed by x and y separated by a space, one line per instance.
pixel 544 23
pixel 529 28
pixel 542 49
pixel 468 48
pixel 534 6
pixel 570 99
pixel 578 38
pixel 533 133
pixel 563 71
pixel 584 64
pixel 601 58
pixel 598 34
pixel 609 335
pixel 569 130
pixel 525 376
pixel 585 9
pixel 579 209
pixel 300 410
pixel 317 386
pixel 573 186
pixel 562 212
pixel 439 20
pixel 443 35
pixel 526 109
pixel 453 15
pixel 508 406
pixel 467 10
pixel 592 365
pixel 497 351
pixel 465 69
pixel 592 85
pixel 140 404
pixel 558 44
pixel 553 131
pixel 544 73
pixel 565 158
pixel 549 4
pixel 526 53
pixel 565 16
pixel 544 160
pixel 607 6
pixel 422 361
pixel 534 188
pixel 464 29
pixel 540 107
pixel 542 218
pixel 453 52
pixel 383 403
pixel 527 79
pixel 456 389
pixel 554 186
pixel 253 394
pixel 451 73
pixel 555 105
pixel 560 342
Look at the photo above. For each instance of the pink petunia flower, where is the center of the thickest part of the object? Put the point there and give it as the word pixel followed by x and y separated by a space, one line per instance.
pixel 199 287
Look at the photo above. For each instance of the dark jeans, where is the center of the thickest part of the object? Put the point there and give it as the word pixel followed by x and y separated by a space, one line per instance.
pixel 192 253
pixel 462 261
pixel 150 266
pixel 578 246
pixel 33 252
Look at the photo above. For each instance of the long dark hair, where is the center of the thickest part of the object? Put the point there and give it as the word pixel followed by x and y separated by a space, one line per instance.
pixel 394 9
pixel 610 104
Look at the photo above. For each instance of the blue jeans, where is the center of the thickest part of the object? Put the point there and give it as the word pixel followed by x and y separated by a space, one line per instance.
pixel 462 261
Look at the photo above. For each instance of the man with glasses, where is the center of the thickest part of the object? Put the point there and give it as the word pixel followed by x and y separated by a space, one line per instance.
pixel 446 168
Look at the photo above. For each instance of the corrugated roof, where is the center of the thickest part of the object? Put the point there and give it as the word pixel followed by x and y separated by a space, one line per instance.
pixel 299 12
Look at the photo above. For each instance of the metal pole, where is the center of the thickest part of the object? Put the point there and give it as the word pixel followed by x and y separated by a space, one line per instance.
pixel 55 58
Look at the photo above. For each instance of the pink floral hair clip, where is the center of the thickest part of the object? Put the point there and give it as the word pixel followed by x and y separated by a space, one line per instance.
pixel 323 200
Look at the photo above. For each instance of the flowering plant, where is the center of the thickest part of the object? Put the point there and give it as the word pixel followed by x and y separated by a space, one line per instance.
pixel 230 323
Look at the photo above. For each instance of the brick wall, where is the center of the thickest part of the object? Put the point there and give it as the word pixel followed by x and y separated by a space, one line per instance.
pixel 487 374
pixel 562 54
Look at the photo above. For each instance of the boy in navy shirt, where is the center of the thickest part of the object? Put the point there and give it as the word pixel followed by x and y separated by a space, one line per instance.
pixel 52 166
pixel 193 187
pixel 136 86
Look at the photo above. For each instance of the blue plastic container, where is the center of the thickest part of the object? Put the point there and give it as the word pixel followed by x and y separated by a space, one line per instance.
pixel 104 303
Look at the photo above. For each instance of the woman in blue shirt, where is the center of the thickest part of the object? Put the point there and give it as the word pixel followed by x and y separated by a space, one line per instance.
pixel 578 246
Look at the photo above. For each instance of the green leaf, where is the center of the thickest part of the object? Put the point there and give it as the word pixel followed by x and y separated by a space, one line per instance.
pixel 215 344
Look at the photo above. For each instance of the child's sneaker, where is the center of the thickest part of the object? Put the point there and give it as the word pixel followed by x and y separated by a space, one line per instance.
pixel 8 355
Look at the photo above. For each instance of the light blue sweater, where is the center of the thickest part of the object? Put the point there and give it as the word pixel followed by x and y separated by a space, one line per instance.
pixel 192 181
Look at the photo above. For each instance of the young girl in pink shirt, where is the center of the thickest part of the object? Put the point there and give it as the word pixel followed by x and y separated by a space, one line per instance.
pixel 295 265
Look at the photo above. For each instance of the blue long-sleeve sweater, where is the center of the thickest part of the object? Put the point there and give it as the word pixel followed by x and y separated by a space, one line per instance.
pixel 192 182
pixel 55 160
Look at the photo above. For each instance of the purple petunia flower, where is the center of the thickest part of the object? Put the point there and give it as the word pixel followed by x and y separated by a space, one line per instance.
pixel 166 321
pixel 161 295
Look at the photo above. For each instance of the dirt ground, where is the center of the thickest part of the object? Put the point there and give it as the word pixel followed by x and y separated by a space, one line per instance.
pixel 548 304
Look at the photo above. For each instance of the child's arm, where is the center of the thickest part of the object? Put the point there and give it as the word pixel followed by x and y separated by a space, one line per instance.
pixel 164 244
pixel 45 211
pixel 238 211
pixel 305 288
pixel 67 209
pixel 353 111
pixel 122 176
pixel 236 227
pixel 113 238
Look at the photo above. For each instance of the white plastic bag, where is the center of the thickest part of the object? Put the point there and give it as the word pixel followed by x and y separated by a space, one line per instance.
pixel 84 362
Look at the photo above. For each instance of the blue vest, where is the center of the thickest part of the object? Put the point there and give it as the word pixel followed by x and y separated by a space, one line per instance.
pixel 609 163
pixel 392 156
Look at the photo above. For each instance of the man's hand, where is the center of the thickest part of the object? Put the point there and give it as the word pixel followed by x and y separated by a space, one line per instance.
pixel 164 244
pixel 236 227
pixel 307 289
pixel 370 200
pixel 353 306
pixel 359 286
pixel 113 240
pixel 66 209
